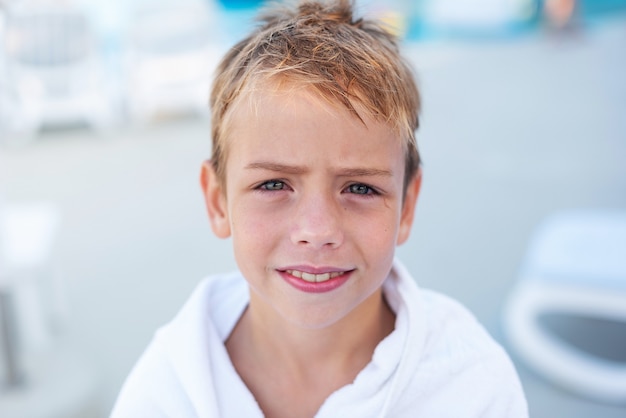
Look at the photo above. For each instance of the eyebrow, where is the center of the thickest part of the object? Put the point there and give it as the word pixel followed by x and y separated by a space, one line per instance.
pixel 343 172
pixel 270 166
pixel 364 172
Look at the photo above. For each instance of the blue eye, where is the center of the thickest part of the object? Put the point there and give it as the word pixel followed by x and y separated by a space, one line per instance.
pixel 272 185
pixel 359 188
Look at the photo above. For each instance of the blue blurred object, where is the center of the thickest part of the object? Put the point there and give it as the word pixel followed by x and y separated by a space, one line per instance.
pixel 599 8
pixel 240 4
pixel 476 19
pixel 494 18
pixel 236 20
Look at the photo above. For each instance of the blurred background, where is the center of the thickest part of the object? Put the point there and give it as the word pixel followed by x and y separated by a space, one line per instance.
pixel 103 235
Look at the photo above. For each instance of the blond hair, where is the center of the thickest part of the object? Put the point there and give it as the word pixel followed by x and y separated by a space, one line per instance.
pixel 321 45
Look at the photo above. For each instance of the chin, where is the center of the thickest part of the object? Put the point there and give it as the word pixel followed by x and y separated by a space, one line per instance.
pixel 316 318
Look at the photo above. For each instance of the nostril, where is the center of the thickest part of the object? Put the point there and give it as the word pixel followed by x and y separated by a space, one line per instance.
pixel 317 222
pixel 326 239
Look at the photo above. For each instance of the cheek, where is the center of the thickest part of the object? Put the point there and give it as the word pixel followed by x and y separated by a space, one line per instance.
pixel 248 242
pixel 377 233
pixel 251 225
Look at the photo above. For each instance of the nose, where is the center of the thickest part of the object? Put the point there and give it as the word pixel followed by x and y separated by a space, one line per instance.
pixel 317 222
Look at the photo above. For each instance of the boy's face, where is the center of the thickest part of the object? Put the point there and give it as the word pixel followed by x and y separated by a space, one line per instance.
pixel 313 201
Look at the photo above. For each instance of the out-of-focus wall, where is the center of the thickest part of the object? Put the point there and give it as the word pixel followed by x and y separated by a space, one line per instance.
pixel 521 119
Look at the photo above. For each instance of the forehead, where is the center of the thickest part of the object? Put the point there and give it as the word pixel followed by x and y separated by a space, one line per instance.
pixel 280 93
pixel 281 97
pixel 293 104
pixel 298 126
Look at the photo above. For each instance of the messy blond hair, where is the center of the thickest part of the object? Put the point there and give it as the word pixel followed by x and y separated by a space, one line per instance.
pixel 319 44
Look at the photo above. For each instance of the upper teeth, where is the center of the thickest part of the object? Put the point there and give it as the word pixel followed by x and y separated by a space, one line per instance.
pixel 314 278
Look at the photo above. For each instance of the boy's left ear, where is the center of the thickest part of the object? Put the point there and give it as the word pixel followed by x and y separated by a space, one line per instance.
pixel 215 199
pixel 408 207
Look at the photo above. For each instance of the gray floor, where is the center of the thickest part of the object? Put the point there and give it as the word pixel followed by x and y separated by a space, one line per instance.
pixel 513 131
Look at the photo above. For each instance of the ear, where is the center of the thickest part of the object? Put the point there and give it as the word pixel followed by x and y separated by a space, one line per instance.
pixel 215 199
pixel 408 207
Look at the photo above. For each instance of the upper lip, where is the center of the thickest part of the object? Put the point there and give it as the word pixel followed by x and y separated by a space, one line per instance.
pixel 315 270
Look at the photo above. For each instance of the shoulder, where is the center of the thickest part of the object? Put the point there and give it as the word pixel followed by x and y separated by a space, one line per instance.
pixel 459 363
pixel 177 362
pixel 215 304
pixel 142 392
pixel 448 332
pixel 463 362
pixel 454 335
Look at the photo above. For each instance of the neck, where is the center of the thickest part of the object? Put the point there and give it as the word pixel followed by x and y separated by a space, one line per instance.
pixel 340 349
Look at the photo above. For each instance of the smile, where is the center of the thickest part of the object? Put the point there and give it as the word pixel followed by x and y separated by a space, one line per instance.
pixel 314 278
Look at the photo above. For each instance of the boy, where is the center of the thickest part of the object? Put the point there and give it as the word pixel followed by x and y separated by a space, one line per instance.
pixel 315 175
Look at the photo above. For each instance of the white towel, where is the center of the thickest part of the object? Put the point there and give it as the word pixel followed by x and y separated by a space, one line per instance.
pixel 438 362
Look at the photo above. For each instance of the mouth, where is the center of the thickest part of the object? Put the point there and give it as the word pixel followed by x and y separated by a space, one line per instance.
pixel 315 278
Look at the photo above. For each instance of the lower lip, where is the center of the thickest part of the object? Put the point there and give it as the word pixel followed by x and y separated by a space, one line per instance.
pixel 316 287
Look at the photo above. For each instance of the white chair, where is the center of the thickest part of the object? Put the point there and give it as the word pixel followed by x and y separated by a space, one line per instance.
pixel 575 268
pixel 171 52
pixel 41 375
pixel 54 68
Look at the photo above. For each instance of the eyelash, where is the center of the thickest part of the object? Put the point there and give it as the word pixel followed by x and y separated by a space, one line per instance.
pixel 370 191
pixel 264 187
